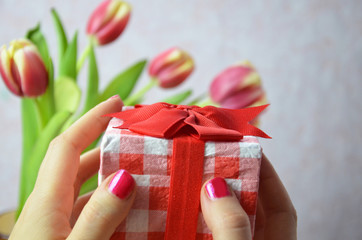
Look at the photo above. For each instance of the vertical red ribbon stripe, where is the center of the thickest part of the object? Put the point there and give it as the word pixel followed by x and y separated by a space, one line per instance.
pixel 187 168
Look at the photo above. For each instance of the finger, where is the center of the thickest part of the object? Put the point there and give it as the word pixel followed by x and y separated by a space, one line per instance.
pixel 87 129
pixel 88 166
pixel 259 222
pixel 60 166
pixel 106 209
pixel 280 215
pixel 78 207
pixel 223 213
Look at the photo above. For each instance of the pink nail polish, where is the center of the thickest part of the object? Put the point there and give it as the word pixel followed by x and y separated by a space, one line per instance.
pixel 217 188
pixel 122 184
pixel 113 97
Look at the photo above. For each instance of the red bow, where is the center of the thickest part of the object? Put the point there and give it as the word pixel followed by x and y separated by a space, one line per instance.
pixel 165 120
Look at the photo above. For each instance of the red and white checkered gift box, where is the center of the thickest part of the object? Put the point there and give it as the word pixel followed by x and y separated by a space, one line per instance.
pixel 148 160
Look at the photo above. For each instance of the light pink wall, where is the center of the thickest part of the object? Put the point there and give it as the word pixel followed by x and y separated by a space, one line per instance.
pixel 308 52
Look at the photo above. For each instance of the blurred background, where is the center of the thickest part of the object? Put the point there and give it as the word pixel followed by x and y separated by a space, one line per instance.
pixel 308 53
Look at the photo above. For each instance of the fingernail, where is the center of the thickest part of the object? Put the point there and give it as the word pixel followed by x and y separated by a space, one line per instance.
pixel 122 184
pixel 113 97
pixel 217 188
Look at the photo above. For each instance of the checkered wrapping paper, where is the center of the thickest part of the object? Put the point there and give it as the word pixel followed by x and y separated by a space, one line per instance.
pixel 148 159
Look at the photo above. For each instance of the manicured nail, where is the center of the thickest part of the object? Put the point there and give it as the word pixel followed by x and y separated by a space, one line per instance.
pixel 113 97
pixel 122 184
pixel 217 188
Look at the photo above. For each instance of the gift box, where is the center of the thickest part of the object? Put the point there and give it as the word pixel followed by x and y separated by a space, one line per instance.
pixel 171 151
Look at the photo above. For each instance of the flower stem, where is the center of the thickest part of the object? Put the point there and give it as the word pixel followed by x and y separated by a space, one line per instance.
pixel 45 107
pixel 41 113
pixel 132 100
pixel 84 56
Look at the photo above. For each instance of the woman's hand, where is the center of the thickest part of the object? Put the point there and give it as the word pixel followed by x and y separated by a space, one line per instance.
pixel 53 210
pixel 276 217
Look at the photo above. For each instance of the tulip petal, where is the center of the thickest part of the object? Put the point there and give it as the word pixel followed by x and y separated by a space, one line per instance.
pixel 171 67
pixel 97 19
pixel 33 75
pixel 261 101
pixel 109 20
pixel 123 10
pixel 252 79
pixel 175 74
pixel 228 82
pixel 164 60
pixel 243 98
pixel 7 68
pixel 112 30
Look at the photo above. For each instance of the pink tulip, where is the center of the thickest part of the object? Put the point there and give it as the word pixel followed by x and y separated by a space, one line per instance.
pixel 237 87
pixel 171 67
pixel 108 21
pixel 22 69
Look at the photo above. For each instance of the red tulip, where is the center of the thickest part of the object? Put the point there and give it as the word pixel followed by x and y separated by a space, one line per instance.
pixel 108 21
pixel 22 69
pixel 171 67
pixel 237 87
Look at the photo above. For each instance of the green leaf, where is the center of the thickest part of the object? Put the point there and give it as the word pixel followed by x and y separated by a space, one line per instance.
pixel 67 95
pixel 46 101
pixel 68 63
pixel 92 88
pixel 36 36
pixel 30 132
pixel 178 98
pixel 61 35
pixel 124 82
pixel 40 149
pixel 51 76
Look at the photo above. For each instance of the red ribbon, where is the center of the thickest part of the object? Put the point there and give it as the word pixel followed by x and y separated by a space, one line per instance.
pixel 187 170
pixel 165 120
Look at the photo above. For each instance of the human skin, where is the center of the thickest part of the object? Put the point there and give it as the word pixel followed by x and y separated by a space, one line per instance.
pixel 54 210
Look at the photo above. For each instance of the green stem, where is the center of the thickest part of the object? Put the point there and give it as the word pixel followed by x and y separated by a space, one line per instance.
pixel 131 100
pixel 42 117
pixel 32 128
pixel 45 107
pixel 84 56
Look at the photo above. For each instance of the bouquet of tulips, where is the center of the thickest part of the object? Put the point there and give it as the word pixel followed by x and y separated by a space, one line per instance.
pixel 50 104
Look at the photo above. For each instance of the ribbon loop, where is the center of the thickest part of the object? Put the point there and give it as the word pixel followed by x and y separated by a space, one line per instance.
pixel 166 120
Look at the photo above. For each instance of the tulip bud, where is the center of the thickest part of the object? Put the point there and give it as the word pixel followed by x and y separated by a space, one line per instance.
pixel 171 67
pixel 238 87
pixel 22 69
pixel 108 21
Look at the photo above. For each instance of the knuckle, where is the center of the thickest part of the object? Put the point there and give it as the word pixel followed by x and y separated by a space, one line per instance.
pixel 95 211
pixel 63 140
pixel 56 142
pixel 234 221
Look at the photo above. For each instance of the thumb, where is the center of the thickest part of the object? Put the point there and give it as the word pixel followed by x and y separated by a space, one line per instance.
pixel 223 213
pixel 106 209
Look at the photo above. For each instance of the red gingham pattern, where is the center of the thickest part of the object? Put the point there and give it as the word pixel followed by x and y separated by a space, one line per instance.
pixel 148 160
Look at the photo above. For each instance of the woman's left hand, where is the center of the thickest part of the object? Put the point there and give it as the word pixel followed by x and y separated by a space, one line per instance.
pixel 53 210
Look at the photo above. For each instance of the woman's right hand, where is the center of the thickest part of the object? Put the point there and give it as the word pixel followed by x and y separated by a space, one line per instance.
pixel 276 217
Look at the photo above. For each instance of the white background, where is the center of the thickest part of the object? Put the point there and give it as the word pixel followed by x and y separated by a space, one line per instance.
pixel 309 54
